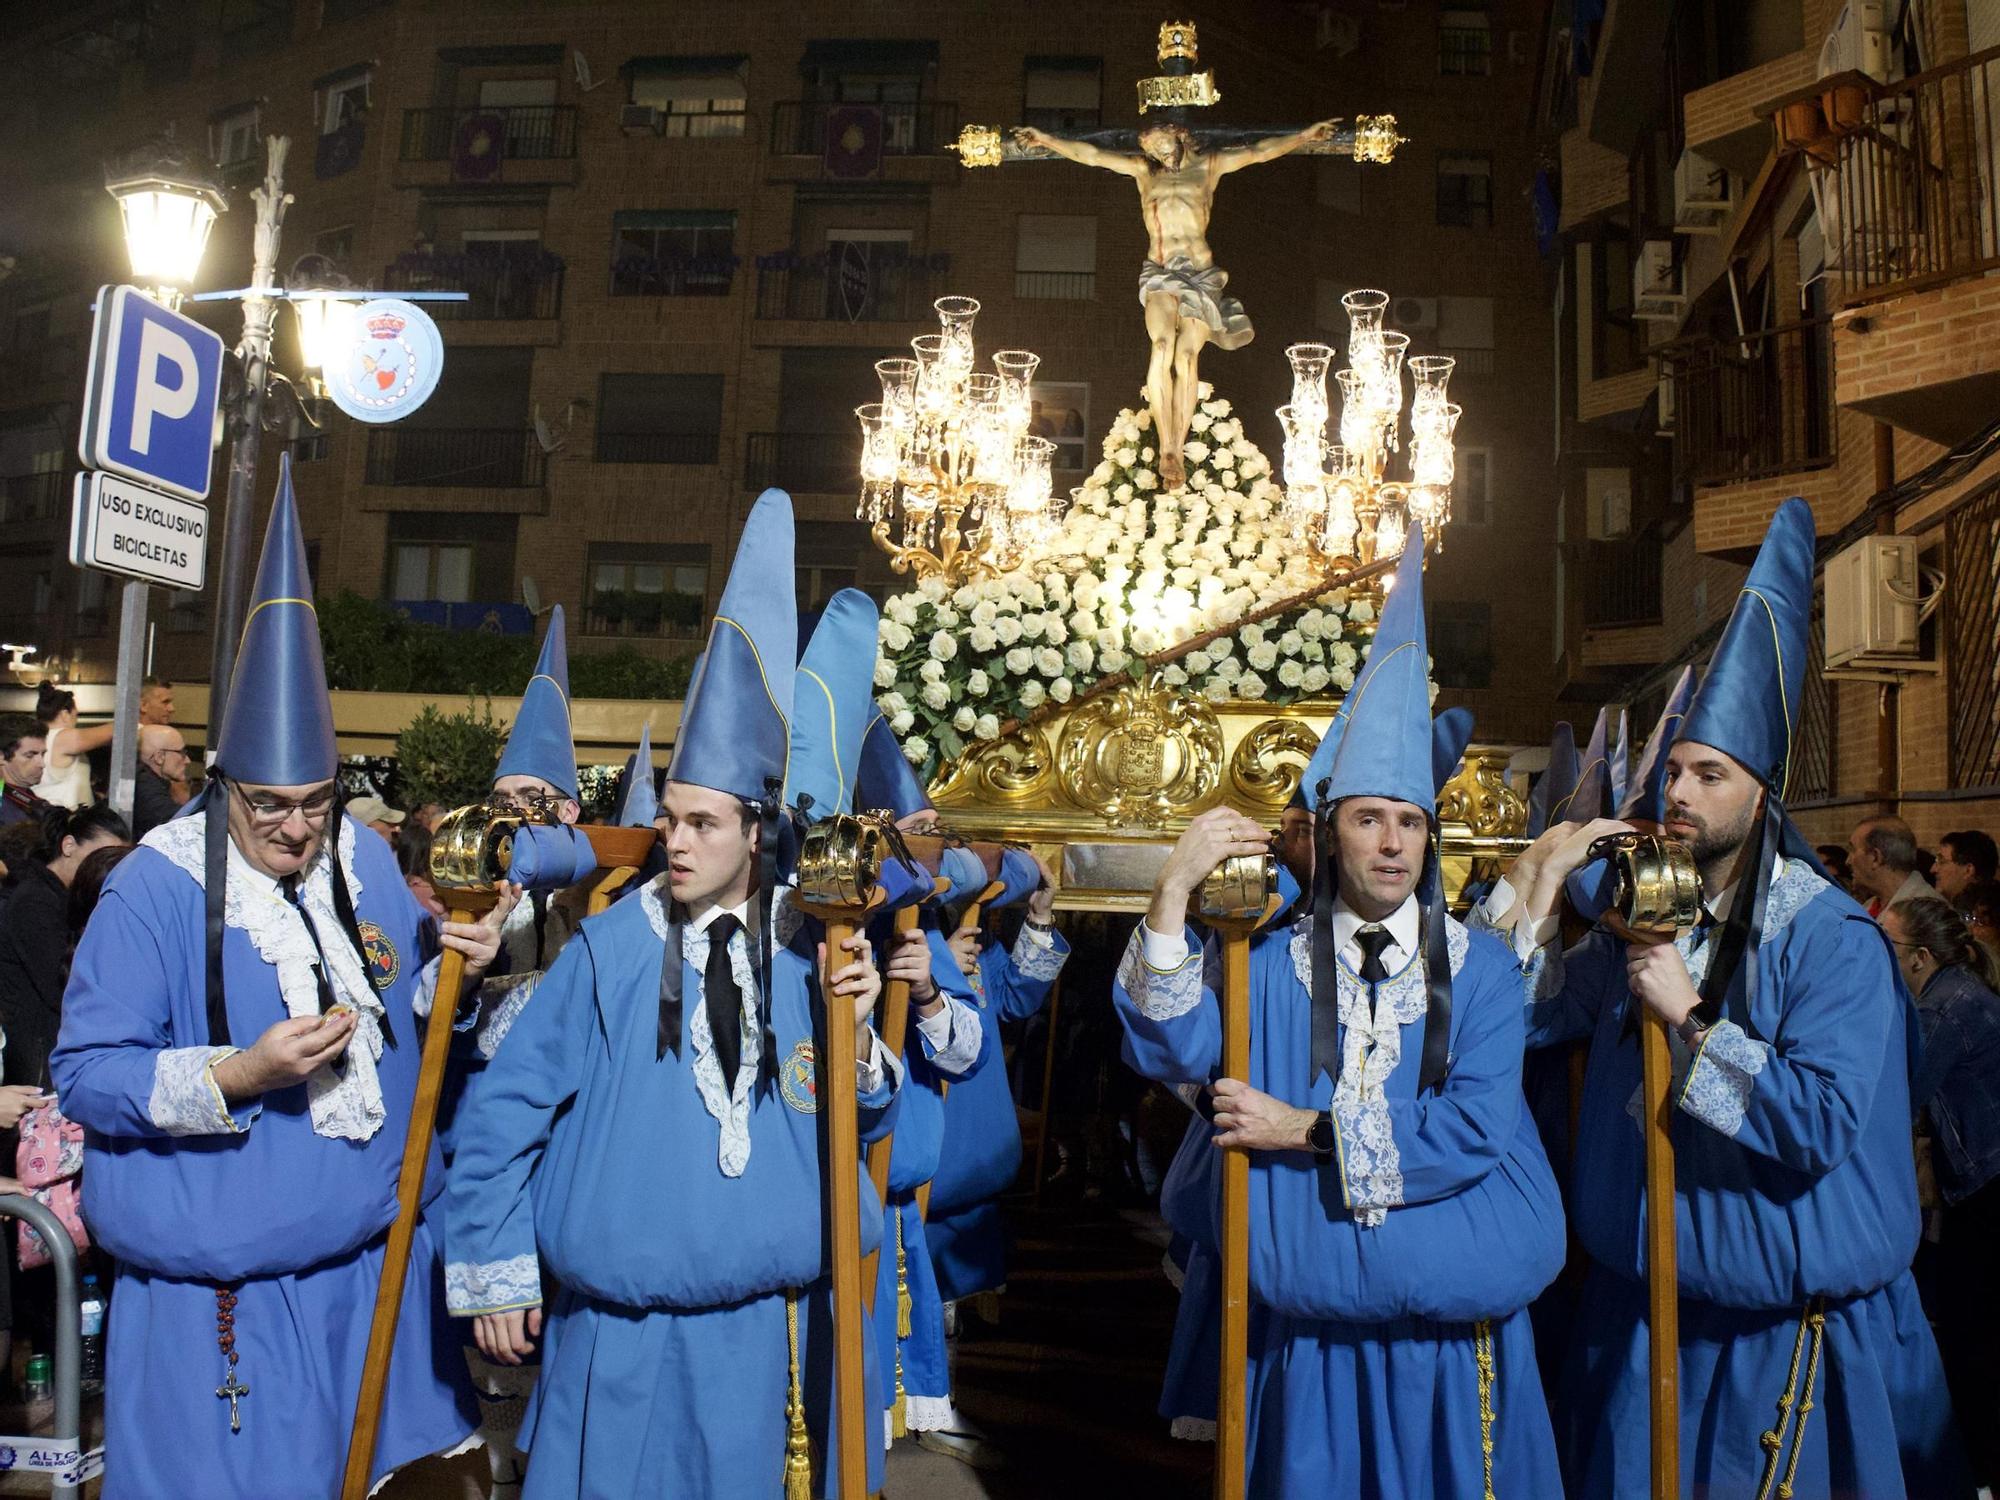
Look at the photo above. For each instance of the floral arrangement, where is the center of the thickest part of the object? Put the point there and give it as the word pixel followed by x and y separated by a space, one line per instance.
pixel 1135 570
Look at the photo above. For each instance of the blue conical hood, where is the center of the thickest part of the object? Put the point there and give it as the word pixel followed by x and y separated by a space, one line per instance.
pixel 1385 750
pixel 1621 760
pixel 1646 797
pixel 1557 782
pixel 833 697
pixel 1451 732
pixel 735 724
pixel 278 727
pixel 642 804
pixel 965 872
pixel 886 779
pixel 540 744
pixel 1320 768
pixel 1020 876
pixel 1590 796
pixel 1750 699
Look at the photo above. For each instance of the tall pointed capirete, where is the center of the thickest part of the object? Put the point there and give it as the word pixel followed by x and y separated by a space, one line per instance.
pixel 1646 798
pixel 641 805
pixel 278 727
pixel 540 743
pixel 1590 796
pixel 1556 782
pixel 832 702
pixel 1621 760
pixel 1451 732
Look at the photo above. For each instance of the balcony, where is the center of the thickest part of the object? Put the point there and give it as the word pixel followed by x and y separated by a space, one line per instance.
pixel 1752 407
pixel 658 447
pixel 526 146
pixel 32 497
pixel 456 458
pixel 639 614
pixel 1621 583
pixel 1056 286
pixel 823 462
pixel 505 288
pixel 814 290
pixel 801 127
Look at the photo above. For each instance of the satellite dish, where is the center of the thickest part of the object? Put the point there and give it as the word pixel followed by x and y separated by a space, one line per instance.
pixel 531 596
pixel 547 439
pixel 582 66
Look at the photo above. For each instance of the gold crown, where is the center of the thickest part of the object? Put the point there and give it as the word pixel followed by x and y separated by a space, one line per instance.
pixel 1177 40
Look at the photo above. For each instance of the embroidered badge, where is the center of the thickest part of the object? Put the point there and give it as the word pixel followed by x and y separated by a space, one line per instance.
pixel 977 981
pixel 383 964
pixel 798 1079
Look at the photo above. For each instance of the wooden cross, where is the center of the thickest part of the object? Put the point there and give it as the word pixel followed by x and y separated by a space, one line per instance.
pixel 233 1391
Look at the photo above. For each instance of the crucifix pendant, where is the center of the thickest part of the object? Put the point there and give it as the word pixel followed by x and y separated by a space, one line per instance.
pixel 233 1391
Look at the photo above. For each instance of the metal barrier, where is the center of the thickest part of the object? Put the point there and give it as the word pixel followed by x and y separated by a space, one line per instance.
pixel 69 1333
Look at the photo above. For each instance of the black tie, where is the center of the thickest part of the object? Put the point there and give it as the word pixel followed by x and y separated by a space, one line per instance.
pixel 1373 940
pixel 725 1002
pixel 289 884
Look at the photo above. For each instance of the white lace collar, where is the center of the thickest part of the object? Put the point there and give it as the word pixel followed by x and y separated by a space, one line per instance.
pixel 348 1105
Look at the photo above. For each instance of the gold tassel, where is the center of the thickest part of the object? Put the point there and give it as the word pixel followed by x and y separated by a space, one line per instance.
pixel 902 1283
pixel 899 1412
pixel 798 1452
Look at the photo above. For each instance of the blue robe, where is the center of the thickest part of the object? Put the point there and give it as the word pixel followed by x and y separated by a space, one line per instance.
pixel 982 1133
pixel 1795 1190
pixel 1381 1282
pixel 672 1240
pixel 918 1362
pixel 252 1196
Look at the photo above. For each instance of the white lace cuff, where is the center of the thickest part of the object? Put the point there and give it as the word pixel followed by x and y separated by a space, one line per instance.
pixel 492 1286
pixel 1160 994
pixel 962 1032
pixel 1371 1172
pixel 1720 1079
pixel 879 1069
pixel 501 1002
pixel 185 1098
pixel 1035 954
pixel 1163 950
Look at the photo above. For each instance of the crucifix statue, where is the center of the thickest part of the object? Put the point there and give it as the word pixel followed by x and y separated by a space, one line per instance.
pixel 1176 168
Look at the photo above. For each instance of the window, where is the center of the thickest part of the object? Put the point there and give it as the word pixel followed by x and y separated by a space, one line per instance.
pixel 93 602
pixel 673 253
pixel 1465 44
pixel 1465 190
pixel 1465 332
pixel 1617 341
pixel 528 106
pixel 1063 93
pixel 431 570
pixel 343 101
pixel 1472 487
pixel 659 419
pixel 829 556
pixel 311 443
pixel 233 136
pixel 1462 643
pixel 699 98
pixel 647 590
pixel 450 558
pixel 1055 257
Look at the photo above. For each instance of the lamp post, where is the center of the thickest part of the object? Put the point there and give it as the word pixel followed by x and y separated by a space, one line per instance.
pixel 324 301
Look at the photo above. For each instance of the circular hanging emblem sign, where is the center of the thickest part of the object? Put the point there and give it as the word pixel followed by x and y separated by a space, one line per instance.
pixel 391 365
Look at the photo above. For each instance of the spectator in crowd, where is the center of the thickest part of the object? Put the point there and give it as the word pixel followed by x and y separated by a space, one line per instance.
pixel 413 854
pixel 1956 1094
pixel 1883 855
pixel 1964 859
pixel 23 749
pixel 66 770
pixel 88 885
pixel 162 787
pixel 1982 910
pixel 428 815
pixel 1834 857
pixel 156 701
pixel 19 844
pixel 375 814
pixel 34 937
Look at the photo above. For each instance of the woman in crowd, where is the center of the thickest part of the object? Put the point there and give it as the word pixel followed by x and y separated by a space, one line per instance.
pixel 66 778
pixel 413 855
pixel 1957 1094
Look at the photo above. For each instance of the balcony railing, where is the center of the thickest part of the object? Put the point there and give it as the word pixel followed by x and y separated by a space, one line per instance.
pixel 827 462
pixel 506 287
pixel 1622 583
pixel 658 447
pixel 1971 626
pixel 457 458
pixel 1909 199
pixel 1751 407
pixel 541 132
pixel 916 128
pixel 32 497
pixel 1056 286
pixel 670 615
pixel 819 291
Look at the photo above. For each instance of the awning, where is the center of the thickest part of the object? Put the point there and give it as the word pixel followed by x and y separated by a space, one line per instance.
pixel 886 55
pixel 684 66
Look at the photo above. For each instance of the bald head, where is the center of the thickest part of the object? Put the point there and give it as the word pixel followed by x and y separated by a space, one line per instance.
pixel 162 750
pixel 1882 852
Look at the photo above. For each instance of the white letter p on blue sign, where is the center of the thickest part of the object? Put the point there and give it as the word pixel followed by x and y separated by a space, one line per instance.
pixel 149 405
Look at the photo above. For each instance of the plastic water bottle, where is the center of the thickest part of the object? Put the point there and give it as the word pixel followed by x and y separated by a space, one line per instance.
pixel 91 1306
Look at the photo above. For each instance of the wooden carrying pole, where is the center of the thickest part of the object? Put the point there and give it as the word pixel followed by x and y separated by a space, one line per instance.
pixel 968 921
pixel 467 906
pixel 1662 1274
pixel 843 1188
pixel 895 1028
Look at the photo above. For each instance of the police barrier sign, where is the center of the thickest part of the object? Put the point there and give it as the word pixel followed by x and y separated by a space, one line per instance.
pixel 150 400
pixel 121 527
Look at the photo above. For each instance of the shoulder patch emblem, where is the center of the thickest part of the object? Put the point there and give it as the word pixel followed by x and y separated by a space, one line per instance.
pixel 798 1079
pixel 383 963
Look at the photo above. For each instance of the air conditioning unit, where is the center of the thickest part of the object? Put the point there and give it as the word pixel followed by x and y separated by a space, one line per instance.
pixel 1608 494
pixel 1414 314
pixel 1871 610
pixel 1858 41
pixel 1658 292
pixel 635 119
pixel 1663 418
pixel 1704 195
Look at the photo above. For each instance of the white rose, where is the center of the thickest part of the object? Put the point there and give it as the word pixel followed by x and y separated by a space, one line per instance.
pixel 1146 479
pixel 916 750
pixel 1007 629
pixel 933 589
pixel 1020 660
pixel 1217 691
pixel 986 727
pixel 1342 678
pixel 1263 656
pixel 896 637
pixel 1361 612
pixel 978 684
pixel 945 617
pixel 1173 676
pixel 1124 492
pixel 1310 623
pixel 1291 642
pixel 1224 459
pixel 1345 655
pixel 1313 651
pixel 1059 690
pixel 1081 655
pixel 1113 661
pixel 943 646
pixel 981 639
pixel 1201 421
pixel 885 672
pixel 1229 669
pixel 1049 662
pixel 1033 627
pixel 1316 678
pixel 1196 451
pixel 892 703
pixel 1251 634
pixel 1032 693
pixel 936 697
pixel 1221 647
pixel 1291 674
pixel 963 720
pixel 903 721
pixel 1198 663
pixel 1229 478
pixel 1125 457
pixel 931 671
pixel 1249 685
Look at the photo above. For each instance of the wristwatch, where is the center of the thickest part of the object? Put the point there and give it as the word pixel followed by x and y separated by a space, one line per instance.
pixel 1319 1137
pixel 1689 1030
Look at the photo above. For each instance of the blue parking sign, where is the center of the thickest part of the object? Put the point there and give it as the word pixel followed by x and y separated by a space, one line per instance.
pixel 150 401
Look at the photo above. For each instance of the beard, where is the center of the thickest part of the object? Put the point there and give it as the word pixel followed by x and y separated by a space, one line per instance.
pixel 1715 845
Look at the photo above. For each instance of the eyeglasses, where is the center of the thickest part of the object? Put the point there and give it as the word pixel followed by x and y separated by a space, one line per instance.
pixel 270 812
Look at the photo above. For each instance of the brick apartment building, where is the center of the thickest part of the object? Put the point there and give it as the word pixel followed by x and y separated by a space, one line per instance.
pixel 1779 231
pixel 677 286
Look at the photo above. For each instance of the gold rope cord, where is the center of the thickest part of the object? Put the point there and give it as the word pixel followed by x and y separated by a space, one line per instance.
pixel 899 1411
pixel 798 1453
pixel 1812 1321
pixel 902 1281
pixel 1482 1348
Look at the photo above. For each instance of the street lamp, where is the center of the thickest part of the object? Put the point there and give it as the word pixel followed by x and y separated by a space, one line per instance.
pixel 314 287
pixel 169 202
